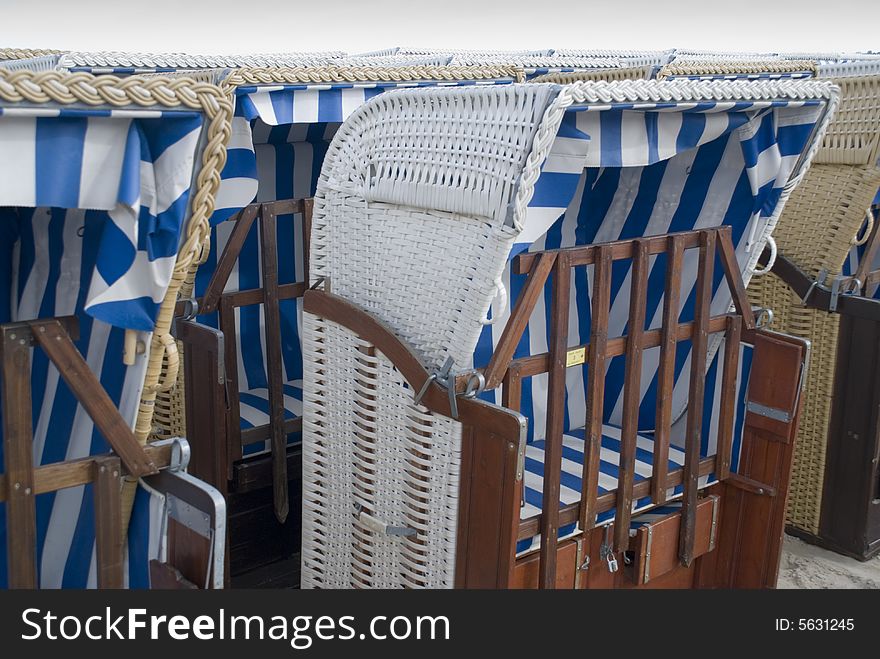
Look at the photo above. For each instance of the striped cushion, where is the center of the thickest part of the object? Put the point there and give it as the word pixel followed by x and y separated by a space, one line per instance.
pixel 254 404
pixel 572 468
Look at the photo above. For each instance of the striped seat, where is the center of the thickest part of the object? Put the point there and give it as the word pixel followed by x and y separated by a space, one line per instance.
pixel 572 470
pixel 255 404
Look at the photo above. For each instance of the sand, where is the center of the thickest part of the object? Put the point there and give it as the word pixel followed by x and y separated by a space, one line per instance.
pixel 806 566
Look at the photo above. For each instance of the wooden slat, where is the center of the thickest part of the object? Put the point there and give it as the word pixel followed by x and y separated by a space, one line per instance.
pixel 588 254
pixel 631 395
pixel 308 209
pixel 601 303
pixel 536 364
pixel 226 314
pixel 569 514
pixel 283 206
pixel 89 392
pixel 519 319
pixel 244 219
pixel 734 277
pixel 251 296
pixel 108 522
pixel 262 433
pixel 274 363
pixel 70 473
pixel 666 369
pixel 728 395
pixel 696 391
pixel 555 421
pixel 21 526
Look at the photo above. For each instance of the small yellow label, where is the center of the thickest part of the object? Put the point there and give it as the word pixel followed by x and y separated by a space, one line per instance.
pixel 576 356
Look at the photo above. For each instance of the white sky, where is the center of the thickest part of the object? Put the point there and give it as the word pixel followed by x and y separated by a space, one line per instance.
pixel 253 26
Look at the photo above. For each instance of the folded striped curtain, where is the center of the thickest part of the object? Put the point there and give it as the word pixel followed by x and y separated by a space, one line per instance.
pixel 93 204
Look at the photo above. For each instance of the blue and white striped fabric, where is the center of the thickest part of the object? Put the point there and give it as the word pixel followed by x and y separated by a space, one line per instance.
pixel 92 207
pixel 135 166
pixel 650 170
pixel 857 254
pixel 49 255
pixel 573 453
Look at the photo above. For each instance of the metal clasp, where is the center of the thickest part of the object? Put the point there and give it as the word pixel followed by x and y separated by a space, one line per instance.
pixel 607 552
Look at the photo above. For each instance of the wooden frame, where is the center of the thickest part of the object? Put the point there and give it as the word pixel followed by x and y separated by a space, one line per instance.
pixel 491 486
pixel 210 358
pixel 22 481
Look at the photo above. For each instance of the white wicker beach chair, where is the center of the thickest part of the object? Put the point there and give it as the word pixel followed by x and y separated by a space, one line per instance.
pixel 422 197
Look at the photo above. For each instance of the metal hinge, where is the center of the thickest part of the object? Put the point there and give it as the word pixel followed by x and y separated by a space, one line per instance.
pixel 770 412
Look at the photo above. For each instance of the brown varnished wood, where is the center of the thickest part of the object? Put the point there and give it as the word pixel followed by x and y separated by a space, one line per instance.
pixel 666 368
pixel 540 363
pixel 21 526
pixel 56 343
pixel 107 475
pixel 244 220
pixel 693 430
pixel 525 574
pixel 733 276
pixel 631 394
pixel 657 556
pixel 165 577
pixel 587 255
pixel 555 421
pixel 275 380
pixel 728 395
pixel 189 552
pixel 569 514
pixel 233 406
pixel 601 302
pixel 519 319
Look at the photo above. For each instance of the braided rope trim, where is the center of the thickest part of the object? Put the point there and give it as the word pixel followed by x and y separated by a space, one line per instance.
pixel 329 74
pixel 634 91
pixel 464 52
pixel 68 88
pixel 185 60
pixel 653 91
pixel 541 62
pixel 610 53
pixel 26 53
pixel 728 67
pixel 567 78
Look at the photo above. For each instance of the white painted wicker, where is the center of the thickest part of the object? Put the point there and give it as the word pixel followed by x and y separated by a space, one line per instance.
pixel 414 216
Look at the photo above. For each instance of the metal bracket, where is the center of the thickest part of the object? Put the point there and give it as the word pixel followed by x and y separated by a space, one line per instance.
pixel 446 377
pixel 378 526
pixel 770 412
pixel 191 517
pixel 840 285
pixel 180 453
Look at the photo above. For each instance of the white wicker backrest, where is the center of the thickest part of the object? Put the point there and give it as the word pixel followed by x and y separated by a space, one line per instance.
pixel 41 63
pixel 414 211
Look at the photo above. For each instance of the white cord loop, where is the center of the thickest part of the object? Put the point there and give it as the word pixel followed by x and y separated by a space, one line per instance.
pixel 500 292
pixel 760 272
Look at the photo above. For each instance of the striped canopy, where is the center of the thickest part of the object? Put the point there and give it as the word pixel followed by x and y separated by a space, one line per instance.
pixel 281 112
pixel 648 158
pixel 133 167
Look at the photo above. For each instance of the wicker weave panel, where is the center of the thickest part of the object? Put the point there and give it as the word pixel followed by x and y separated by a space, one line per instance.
pixel 854 135
pixel 821 329
pixel 397 461
pixel 824 214
pixel 628 73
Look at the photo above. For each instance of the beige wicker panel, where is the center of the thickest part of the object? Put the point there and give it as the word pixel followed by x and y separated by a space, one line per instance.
pixel 733 67
pixel 824 214
pixel 854 135
pixel 626 73
pixel 816 231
